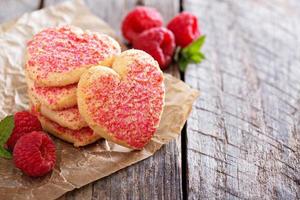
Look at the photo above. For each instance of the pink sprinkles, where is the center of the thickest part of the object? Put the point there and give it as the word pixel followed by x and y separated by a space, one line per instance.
pixel 71 115
pixel 53 94
pixel 62 50
pixel 80 135
pixel 129 109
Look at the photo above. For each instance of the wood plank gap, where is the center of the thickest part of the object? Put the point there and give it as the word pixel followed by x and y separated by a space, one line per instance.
pixel 181 8
pixel 42 5
pixel 140 3
pixel 184 162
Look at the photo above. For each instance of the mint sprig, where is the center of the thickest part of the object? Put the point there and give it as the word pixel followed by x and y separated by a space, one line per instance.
pixel 6 128
pixel 4 153
pixel 190 54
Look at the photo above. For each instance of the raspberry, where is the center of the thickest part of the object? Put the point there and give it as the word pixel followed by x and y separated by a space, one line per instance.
pixel 159 43
pixel 185 28
pixel 140 19
pixel 25 123
pixel 34 154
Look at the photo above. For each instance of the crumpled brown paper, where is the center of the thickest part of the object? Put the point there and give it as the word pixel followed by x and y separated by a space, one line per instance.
pixel 75 167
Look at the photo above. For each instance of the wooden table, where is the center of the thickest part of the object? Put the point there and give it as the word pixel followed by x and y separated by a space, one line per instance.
pixel 242 140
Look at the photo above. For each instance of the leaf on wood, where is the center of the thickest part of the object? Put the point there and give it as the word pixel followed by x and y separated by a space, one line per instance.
pixel 6 128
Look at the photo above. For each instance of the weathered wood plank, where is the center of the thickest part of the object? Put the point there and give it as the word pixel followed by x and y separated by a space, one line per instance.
pixel 243 134
pixel 110 11
pixel 168 9
pixel 86 193
pixel 13 9
pixel 158 177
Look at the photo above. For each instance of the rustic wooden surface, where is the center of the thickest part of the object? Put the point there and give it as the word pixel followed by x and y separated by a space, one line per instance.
pixel 12 9
pixel 154 178
pixel 243 139
pixel 243 135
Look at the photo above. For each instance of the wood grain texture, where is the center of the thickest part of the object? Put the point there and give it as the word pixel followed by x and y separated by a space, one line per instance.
pixel 244 131
pixel 12 9
pixel 167 9
pixel 158 177
pixel 111 11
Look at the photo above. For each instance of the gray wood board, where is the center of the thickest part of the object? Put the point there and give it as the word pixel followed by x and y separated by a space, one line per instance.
pixel 13 9
pixel 243 138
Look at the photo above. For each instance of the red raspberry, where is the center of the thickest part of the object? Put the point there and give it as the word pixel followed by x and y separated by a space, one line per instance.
pixel 140 19
pixel 185 28
pixel 159 43
pixel 34 154
pixel 25 123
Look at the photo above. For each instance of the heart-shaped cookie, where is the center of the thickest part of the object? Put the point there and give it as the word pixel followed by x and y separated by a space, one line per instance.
pixel 123 103
pixel 59 56
pixel 55 98
pixel 78 138
pixel 69 118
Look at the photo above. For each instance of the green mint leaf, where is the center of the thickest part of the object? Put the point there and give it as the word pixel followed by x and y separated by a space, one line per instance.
pixel 202 55
pixel 6 127
pixel 4 153
pixel 195 46
pixel 183 64
pixel 197 57
pixel 190 54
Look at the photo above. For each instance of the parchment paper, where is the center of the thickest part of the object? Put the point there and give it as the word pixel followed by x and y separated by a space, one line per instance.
pixel 75 167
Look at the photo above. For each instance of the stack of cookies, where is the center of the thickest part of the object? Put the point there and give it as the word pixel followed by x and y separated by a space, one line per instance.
pixel 83 88
pixel 123 103
pixel 56 59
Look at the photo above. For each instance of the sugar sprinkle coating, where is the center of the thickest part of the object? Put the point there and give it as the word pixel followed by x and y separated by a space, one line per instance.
pixel 56 98
pixel 79 138
pixel 127 104
pixel 58 56
pixel 69 118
